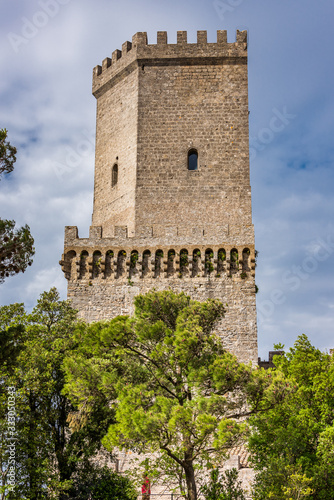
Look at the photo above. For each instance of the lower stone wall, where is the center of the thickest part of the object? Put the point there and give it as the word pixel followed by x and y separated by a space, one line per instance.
pixel 163 488
pixel 101 299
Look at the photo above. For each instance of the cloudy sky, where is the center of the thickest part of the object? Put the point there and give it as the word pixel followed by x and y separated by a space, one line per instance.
pixel 48 50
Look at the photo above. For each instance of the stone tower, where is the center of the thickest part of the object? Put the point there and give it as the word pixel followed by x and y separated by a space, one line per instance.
pixel 172 197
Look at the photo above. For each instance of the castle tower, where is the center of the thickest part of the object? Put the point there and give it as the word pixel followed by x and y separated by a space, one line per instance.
pixel 172 198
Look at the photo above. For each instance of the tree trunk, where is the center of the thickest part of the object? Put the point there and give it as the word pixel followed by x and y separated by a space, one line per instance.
pixel 34 485
pixel 190 479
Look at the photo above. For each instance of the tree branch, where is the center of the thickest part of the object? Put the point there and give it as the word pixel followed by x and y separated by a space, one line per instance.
pixel 171 455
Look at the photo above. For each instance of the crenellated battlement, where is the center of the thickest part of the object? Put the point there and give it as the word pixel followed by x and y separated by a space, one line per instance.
pixel 157 235
pixel 140 53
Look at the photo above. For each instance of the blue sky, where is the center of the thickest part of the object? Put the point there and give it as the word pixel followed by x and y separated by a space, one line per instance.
pixel 48 51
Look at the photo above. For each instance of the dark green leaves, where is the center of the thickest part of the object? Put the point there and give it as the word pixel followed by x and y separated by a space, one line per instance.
pixel 7 154
pixel 16 249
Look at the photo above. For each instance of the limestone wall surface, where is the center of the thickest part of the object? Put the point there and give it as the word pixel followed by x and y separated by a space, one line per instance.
pixel 157 102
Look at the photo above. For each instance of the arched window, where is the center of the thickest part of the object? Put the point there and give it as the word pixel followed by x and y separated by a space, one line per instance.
pixel 114 175
pixel 70 265
pixel 192 159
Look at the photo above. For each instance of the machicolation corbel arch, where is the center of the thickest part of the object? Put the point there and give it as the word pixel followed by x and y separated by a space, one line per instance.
pixel 164 262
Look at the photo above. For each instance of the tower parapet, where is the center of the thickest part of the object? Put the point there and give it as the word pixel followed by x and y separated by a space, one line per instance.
pixel 127 258
pixel 140 53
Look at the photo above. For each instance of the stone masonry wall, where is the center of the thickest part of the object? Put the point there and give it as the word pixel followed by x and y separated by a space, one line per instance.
pixel 116 144
pixel 155 102
pixel 99 300
pixel 184 107
pixel 104 276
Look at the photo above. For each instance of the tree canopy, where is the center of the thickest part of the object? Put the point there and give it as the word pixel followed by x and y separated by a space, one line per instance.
pixel 50 458
pixel 16 245
pixel 16 249
pixel 223 486
pixel 175 390
pixel 159 384
pixel 292 444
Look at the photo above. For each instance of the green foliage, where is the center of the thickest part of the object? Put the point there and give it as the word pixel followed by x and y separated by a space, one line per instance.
pixel 256 257
pixel 12 321
pixel 16 245
pixel 209 266
pixel 48 455
pixel 222 255
pixel 224 486
pixel 184 259
pixel 158 256
pixel 16 249
pixel 196 255
pixel 171 255
pixel 234 256
pixel 208 263
pixel 292 444
pixel 103 484
pixel 298 485
pixel 133 259
pixel 169 381
pixel 7 154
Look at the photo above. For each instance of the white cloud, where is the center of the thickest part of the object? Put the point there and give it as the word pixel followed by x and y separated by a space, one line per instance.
pixel 43 281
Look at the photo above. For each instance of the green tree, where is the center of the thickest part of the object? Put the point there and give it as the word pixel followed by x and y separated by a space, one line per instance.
pixel 292 444
pixel 48 455
pixel 298 485
pixel 103 484
pixel 16 245
pixel 224 486
pixel 7 154
pixel 16 249
pixel 175 389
